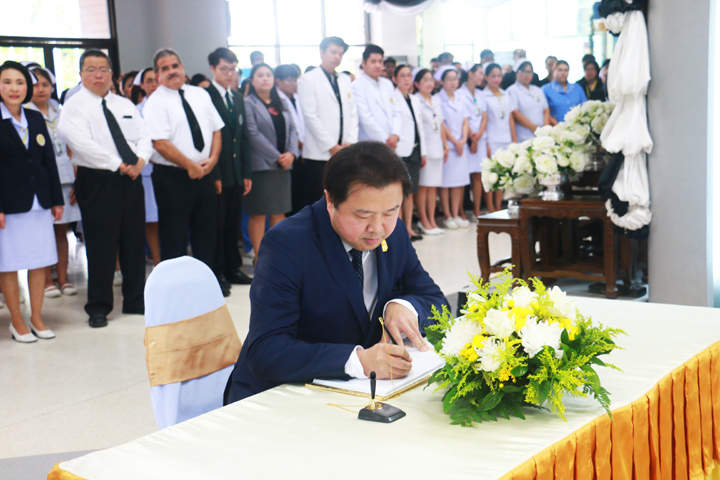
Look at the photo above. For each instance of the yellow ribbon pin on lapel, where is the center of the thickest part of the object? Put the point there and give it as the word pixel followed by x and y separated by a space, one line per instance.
pixel 384 246
pixel 40 139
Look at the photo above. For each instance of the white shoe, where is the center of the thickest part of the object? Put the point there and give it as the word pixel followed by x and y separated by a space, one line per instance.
pixel 118 279
pixel 69 289
pixel 438 231
pixel 426 231
pixel 44 334
pixel 451 224
pixel 27 338
pixel 52 292
pixel 461 223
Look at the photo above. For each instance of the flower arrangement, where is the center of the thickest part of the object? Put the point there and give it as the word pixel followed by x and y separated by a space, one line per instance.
pixel 565 148
pixel 517 347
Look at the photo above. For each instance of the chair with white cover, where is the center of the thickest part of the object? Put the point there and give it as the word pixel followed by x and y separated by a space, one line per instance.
pixel 191 343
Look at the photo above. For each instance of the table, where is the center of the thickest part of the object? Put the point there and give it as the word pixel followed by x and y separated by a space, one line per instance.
pixel 498 222
pixel 572 208
pixel 290 432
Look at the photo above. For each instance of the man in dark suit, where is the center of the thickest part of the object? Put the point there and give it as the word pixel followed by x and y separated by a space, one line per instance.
pixel 321 282
pixel 234 169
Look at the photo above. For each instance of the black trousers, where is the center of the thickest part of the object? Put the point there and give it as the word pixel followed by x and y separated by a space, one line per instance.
pixel 311 181
pixel 113 215
pixel 185 205
pixel 227 253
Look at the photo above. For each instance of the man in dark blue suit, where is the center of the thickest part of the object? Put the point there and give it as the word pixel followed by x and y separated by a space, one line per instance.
pixel 321 282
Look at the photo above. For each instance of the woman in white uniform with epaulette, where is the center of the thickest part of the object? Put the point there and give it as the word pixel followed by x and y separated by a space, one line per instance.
pixel 477 140
pixel 436 150
pixel 30 199
pixel 455 170
pixel 50 109
pixel 531 106
pixel 500 126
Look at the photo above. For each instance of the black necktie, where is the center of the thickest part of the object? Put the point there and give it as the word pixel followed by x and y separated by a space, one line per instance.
pixel 231 110
pixel 194 125
pixel 126 153
pixel 358 265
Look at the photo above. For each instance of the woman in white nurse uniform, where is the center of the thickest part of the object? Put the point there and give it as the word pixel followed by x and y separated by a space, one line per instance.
pixel 500 125
pixel 455 170
pixel 436 152
pixel 30 199
pixel 532 109
pixel 50 110
pixel 474 99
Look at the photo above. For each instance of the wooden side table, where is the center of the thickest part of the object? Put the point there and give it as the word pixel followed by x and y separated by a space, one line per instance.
pixel 498 222
pixel 570 208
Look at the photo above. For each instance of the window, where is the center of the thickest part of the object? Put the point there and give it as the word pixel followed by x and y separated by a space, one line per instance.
pixel 54 33
pixel 290 31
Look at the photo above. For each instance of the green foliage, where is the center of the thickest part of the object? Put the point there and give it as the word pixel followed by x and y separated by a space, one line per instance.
pixel 473 395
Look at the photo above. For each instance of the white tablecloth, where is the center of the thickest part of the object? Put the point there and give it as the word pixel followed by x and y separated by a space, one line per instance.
pixel 290 432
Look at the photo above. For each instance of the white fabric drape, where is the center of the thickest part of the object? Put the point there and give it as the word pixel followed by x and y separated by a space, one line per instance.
pixel 627 128
pixel 177 290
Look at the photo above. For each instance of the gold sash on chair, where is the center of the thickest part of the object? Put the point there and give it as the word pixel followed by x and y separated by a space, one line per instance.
pixel 193 348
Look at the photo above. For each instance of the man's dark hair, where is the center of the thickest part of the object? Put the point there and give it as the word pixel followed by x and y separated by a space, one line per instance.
pixel 562 62
pixel 485 52
pixel 162 53
pixel 434 60
pixel 445 55
pixel 551 56
pixel 327 41
pixel 255 54
pixel 286 71
pixel 94 53
pixel 372 164
pixel 197 79
pixel 390 60
pixel 222 53
pixel 370 49
pixel 588 58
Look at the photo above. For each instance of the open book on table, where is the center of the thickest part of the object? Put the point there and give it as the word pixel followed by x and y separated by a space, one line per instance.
pixel 424 364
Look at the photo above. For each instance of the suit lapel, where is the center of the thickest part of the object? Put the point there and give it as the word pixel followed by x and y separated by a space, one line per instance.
pixel 338 263
pixel 12 133
pixel 220 105
pixel 326 85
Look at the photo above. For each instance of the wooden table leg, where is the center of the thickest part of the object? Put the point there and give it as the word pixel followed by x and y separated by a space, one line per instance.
pixel 483 252
pixel 517 271
pixel 527 246
pixel 609 258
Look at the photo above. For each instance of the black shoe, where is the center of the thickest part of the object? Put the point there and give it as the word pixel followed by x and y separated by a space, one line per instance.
pixel 224 284
pixel 97 320
pixel 225 291
pixel 239 278
pixel 416 238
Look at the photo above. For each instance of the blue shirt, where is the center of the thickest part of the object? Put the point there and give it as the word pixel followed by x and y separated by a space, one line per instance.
pixel 560 100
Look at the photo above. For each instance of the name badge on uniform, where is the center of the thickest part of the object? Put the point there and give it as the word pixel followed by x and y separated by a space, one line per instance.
pixel 435 125
pixel 40 139
pixel 240 119
pixel 478 110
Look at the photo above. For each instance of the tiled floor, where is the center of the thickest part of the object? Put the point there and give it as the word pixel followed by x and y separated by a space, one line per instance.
pixel 88 389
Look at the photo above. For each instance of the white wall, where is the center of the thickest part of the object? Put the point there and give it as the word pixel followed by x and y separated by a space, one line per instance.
pixel 397 35
pixel 192 28
pixel 680 261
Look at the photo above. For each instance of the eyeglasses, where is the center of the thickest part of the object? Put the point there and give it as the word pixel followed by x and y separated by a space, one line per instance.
pixel 93 70
pixel 225 70
pixel 526 71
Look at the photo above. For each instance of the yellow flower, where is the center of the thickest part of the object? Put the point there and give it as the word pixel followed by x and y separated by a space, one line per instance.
pixel 478 342
pixel 469 353
pixel 521 315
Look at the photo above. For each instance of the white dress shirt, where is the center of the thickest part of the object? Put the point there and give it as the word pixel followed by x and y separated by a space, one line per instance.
pixel 378 118
pixel 353 366
pixel 166 120
pixel 85 128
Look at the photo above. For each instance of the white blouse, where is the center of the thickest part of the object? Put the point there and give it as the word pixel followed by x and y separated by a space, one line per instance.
pixel 65 168
pixel 432 120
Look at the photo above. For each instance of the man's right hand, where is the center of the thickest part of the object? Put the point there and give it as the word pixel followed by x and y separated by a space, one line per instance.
pixel 335 149
pixel 195 171
pixel 382 356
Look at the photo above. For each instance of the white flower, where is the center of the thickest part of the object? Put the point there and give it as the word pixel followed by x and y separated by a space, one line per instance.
pixel 499 323
pixel 509 192
pixel 570 136
pixel 460 334
pixel 598 123
pixel 489 357
pixel 488 164
pixel 505 158
pixel 546 164
pixel 578 161
pixel 536 335
pixel 562 306
pixel 543 131
pixel 572 115
pixel 523 296
pixel 489 179
pixel 563 160
pixel 543 142
pixel 515 148
pixel 582 130
pixel 522 164
pixel 524 184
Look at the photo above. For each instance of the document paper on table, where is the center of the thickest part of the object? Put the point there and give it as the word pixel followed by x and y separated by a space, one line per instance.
pixel 424 364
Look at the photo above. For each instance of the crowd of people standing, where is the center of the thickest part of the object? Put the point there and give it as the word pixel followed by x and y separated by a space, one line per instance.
pixel 152 160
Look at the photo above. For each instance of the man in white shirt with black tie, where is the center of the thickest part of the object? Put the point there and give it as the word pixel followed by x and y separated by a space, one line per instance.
pixel 331 121
pixel 379 120
pixel 110 147
pixel 185 130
